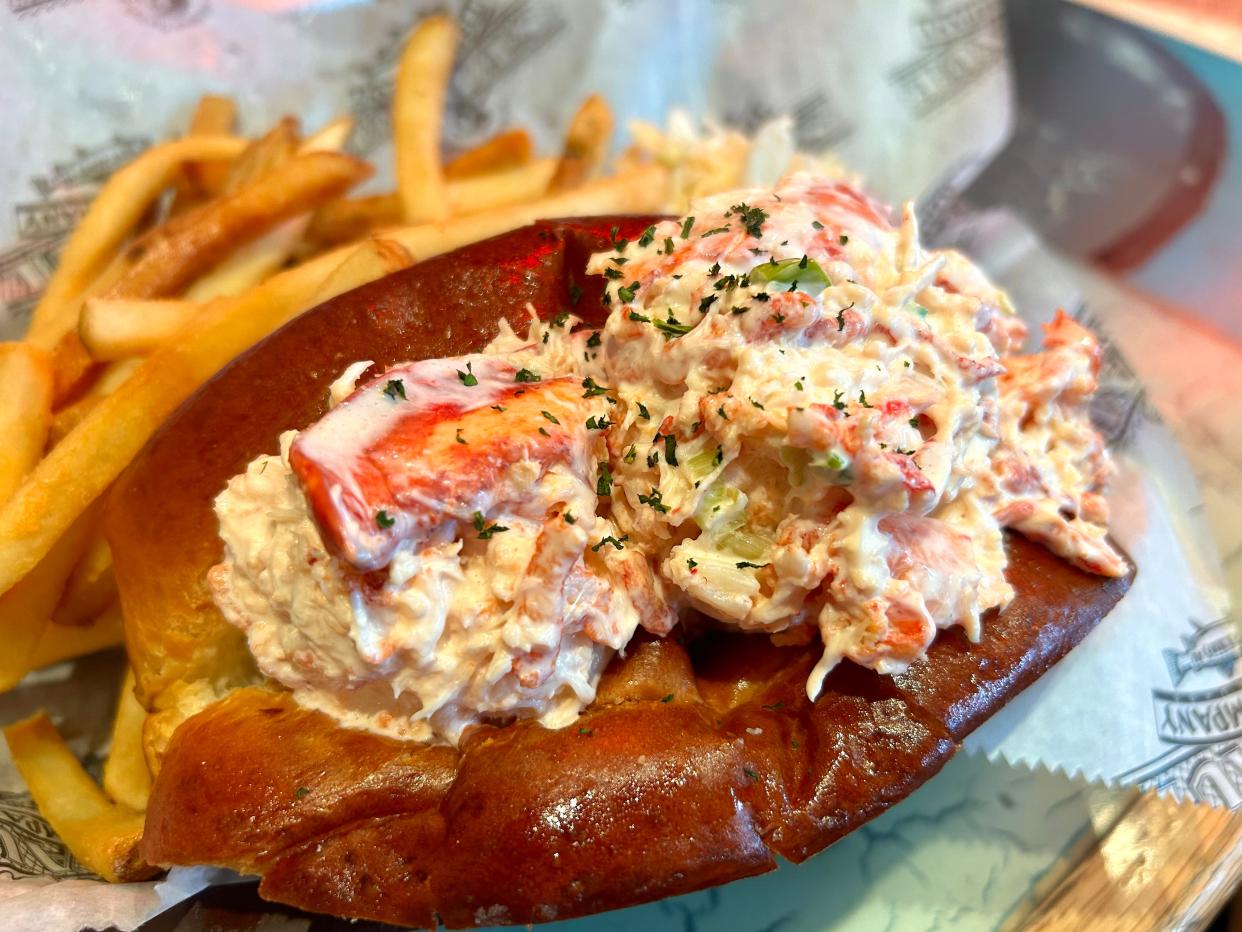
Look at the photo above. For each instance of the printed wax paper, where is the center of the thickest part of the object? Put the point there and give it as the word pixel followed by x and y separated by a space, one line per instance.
pixel 912 93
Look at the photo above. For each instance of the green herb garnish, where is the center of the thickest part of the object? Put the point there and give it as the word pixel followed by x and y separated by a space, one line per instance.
pixel 603 485
pixel 751 218
pixel 655 500
pixel 592 389
pixel 485 531
pixel 673 327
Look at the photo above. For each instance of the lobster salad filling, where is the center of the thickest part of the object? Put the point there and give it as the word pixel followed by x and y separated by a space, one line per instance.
pixel 796 420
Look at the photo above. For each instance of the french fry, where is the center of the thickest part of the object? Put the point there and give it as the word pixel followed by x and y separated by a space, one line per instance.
pixel 586 144
pixel 58 642
pixel 214 116
pixel 111 217
pixel 27 606
pixel 103 835
pixel 120 328
pixel 113 376
pixel 263 156
pixel 331 137
pixel 501 188
pixel 373 259
pixel 417 118
pixel 92 455
pixel 27 382
pixel 68 417
pixel 255 261
pixel 73 369
pixel 353 218
pixel 90 588
pixel 641 189
pixel 173 255
pixel 126 777
pixel 248 266
pixel 507 149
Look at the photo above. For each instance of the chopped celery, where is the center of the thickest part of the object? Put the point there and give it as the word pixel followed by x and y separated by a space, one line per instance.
pixel 703 464
pixel 837 465
pixel 805 272
pixel 720 506
pixel 746 542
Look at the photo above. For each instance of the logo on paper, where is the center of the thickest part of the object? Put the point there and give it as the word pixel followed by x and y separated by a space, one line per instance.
pixel 1199 718
pixel 1210 647
pixel 497 39
pixel 34 7
pixel 1120 406
pixel 28 846
pixel 167 14
pixel 1208 654
pixel 44 222
pixel 962 41
pixel 818 125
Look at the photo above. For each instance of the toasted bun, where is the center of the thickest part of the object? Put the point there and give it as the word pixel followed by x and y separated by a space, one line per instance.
pixel 695 765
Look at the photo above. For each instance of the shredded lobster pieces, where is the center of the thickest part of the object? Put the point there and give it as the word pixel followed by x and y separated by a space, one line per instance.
pixel 694 765
pixel 393 447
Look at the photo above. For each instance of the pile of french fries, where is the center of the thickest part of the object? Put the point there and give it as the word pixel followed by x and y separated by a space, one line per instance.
pixel 189 255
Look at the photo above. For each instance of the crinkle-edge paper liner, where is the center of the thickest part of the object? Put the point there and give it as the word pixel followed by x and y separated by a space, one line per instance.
pixel 1149 699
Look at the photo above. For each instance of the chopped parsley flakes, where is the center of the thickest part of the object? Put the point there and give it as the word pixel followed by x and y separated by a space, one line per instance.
pixel 673 327
pixel 655 500
pixel 603 486
pixel 751 218
pixel 592 388
pixel 486 531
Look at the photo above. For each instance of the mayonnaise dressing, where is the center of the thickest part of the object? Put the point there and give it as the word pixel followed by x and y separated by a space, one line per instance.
pixel 797 420
pixel 495 602
pixel 812 404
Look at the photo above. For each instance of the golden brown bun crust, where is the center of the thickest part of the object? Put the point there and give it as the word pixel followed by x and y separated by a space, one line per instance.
pixel 639 799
